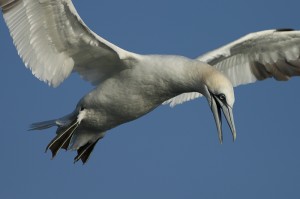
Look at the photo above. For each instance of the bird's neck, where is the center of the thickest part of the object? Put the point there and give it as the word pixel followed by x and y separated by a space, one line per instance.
pixel 179 75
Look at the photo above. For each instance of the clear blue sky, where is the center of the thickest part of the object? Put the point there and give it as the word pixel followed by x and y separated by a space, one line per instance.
pixel 171 152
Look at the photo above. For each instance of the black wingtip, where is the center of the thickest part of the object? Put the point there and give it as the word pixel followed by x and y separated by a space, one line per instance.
pixel 284 29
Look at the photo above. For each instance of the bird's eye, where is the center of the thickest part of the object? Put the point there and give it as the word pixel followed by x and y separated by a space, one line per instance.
pixel 222 96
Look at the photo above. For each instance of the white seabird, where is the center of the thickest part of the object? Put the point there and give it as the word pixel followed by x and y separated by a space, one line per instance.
pixel 53 41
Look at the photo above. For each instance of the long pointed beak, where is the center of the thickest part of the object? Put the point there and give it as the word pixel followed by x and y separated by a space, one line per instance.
pixel 227 111
pixel 216 107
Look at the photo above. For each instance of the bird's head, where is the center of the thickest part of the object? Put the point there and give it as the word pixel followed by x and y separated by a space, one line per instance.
pixel 219 93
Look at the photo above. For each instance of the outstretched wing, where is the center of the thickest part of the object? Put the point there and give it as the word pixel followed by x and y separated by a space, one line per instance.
pixel 53 41
pixel 256 56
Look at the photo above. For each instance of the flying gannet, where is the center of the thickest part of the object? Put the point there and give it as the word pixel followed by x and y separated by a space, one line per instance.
pixel 53 41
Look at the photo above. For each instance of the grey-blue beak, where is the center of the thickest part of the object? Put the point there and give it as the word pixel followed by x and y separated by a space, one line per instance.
pixel 217 106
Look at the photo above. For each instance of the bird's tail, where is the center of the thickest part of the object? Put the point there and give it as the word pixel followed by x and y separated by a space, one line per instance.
pixel 42 125
pixel 69 137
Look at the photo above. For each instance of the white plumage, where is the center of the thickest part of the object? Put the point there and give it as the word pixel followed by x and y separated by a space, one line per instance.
pixel 53 41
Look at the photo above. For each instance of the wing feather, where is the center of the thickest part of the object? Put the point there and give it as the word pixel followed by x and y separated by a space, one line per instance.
pixel 53 41
pixel 257 56
pixel 184 97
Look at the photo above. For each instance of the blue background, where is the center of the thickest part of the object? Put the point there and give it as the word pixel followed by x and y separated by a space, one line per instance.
pixel 171 152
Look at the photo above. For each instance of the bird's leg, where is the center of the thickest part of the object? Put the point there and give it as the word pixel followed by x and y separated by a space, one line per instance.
pixel 85 151
pixel 63 137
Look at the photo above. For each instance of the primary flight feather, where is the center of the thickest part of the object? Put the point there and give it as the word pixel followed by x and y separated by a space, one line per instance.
pixel 53 41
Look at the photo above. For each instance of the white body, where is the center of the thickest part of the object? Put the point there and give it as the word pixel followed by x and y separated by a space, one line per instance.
pixel 133 93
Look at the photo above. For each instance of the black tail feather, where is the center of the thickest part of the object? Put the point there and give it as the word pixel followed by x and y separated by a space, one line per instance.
pixel 62 139
pixel 85 151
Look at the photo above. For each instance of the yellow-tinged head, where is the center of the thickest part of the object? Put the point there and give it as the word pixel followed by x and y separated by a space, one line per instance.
pixel 220 95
